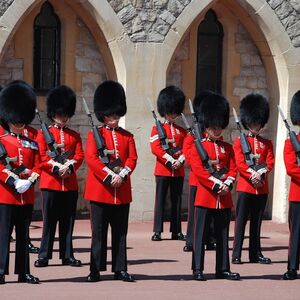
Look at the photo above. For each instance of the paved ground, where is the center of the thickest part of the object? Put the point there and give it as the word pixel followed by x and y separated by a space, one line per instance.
pixel 162 271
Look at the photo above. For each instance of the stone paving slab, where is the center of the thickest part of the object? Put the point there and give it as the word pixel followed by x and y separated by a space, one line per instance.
pixel 162 270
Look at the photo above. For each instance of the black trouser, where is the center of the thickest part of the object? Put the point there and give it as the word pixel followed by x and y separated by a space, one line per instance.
pixel 116 216
pixel 163 183
pixel 221 221
pixel 18 216
pixel 58 207
pixel 294 243
pixel 191 210
pixel 249 205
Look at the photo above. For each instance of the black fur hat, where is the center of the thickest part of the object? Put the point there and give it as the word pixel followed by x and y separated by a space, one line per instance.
pixel 17 104
pixel 254 109
pixel 61 101
pixel 109 99
pixel 170 101
pixel 295 108
pixel 214 111
pixel 198 99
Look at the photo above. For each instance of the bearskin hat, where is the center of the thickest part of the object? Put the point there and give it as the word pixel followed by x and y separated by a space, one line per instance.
pixel 198 99
pixel 109 99
pixel 295 108
pixel 61 101
pixel 214 111
pixel 170 101
pixel 254 109
pixel 17 104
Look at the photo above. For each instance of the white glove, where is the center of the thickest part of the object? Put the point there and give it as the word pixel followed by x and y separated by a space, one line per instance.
pixel 64 171
pixel 22 185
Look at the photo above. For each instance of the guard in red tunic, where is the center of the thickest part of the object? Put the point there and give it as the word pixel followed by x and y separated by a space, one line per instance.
pixel 17 177
pixel 187 145
pixel 292 164
pixel 169 170
pixel 111 158
pixel 215 173
pixel 58 182
pixel 252 186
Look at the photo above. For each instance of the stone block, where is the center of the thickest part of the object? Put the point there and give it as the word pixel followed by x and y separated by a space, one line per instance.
pixel 167 17
pixel 275 3
pixel 161 4
pixel 296 5
pixel 284 10
pixel 13 63
pixel 161 27
pixel 239 81
pixel 91 52
pixel 255 60
pixel 127 13
pixel 83 64
pixel 245 60
pixel 156 37
pixel 251 83
pixel 246 71
pixel 5 74
pixel 262 83
pixel 117 5
pixel 175 7
pixel 17 74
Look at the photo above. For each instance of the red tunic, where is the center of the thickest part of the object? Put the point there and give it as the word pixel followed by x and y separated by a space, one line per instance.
pixel 205 196
pixel 122 143
pixel 292 169
pixel 174 133
pixel 187 145
pixel 71 141
pixel 264 149
pixel 25 150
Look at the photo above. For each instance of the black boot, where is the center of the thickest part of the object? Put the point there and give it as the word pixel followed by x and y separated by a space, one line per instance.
pixel 290 275
pixel 93 277
pixel 32 248
pixel 28 278
pixel 2 279
pixel 124 276
pixel 156 237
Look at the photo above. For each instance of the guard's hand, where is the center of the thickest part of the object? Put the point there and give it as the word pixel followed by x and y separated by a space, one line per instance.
pixel 255 178
pixel 176 165
pixel 22 185
pixel 224 189
pixel 116 181
pixel 64 171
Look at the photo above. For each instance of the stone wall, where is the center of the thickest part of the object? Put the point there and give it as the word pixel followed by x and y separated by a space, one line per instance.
pixel 252 77
pixel 288 12
pixel 148 20
pixel 4 5
pixel 151 20
pixel 11 68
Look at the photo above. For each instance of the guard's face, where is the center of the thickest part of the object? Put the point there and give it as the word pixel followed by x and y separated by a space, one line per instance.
pixel 61 120
pixel 16 127
pixel 112 120
pixel 214 132
pixel 171 117
pixel 255 128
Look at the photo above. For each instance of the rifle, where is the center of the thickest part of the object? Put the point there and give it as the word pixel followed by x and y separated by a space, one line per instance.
pixel 197 128
pixel 206 161
pixel 293 136
pixel 164 141
pixel 52 145
pixel 6 161
pixel 246 148
pixel 103 152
